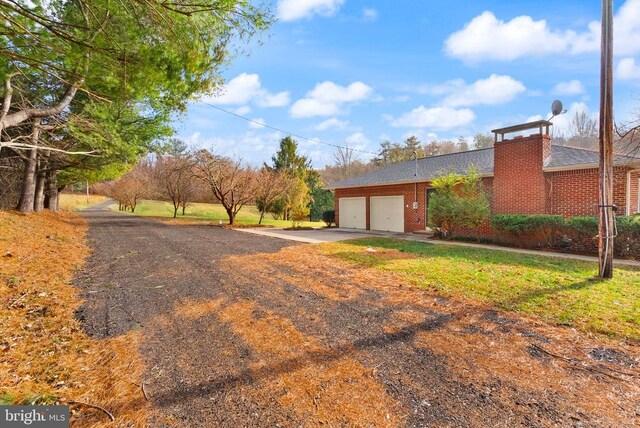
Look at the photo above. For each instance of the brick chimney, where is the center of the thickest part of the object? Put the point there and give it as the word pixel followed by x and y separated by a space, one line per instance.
pixel 519 185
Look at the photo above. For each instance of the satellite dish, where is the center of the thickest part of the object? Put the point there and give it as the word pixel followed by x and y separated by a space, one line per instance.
pixel 557 108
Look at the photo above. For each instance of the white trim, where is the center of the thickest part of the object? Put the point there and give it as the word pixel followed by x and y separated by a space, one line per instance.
pixel 571 167
pixel 628 192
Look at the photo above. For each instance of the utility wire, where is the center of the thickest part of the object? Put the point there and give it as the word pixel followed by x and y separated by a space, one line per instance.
pixel 302 137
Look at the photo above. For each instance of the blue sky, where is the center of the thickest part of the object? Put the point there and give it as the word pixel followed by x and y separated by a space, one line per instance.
pixel 352 72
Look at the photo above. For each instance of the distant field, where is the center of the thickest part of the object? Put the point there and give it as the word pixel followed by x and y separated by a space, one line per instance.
pixel 248 215
pixel 75 201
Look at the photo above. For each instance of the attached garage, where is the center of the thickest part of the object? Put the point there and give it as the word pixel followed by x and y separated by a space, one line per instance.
pixel 387 213
pixel 353 213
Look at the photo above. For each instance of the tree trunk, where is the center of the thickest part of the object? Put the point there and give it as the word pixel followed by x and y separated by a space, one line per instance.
pixel 232 216
pixel 52 189
pixel 184 206
pixel 27 196
pixel 38 205
pixel 175 211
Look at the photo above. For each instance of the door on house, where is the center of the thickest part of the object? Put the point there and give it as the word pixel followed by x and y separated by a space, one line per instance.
pixel 387 213
pixel 353 212
pixel 427 195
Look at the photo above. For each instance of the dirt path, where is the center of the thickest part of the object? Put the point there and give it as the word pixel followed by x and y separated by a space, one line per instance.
pixel 247 331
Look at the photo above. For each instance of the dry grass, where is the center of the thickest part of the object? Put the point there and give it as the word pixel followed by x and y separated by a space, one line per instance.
pixel 478 349
pixel 322 389
pixel 77 201
pixel 45 357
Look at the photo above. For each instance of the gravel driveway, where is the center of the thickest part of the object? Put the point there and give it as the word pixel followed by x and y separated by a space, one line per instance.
pixel 249 331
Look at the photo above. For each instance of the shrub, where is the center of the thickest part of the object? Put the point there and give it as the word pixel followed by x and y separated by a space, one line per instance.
pixel 589 224
pixel 584 224
pixel 520 223
pixel 528 230
pixel 458 201
pixel 329 217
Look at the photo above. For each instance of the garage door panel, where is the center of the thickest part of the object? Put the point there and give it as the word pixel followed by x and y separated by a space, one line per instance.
pixel 387 213
pixel 353 213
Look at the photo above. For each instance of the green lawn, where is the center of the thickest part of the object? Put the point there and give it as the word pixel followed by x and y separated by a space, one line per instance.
pixel 558 290
pixel 248 215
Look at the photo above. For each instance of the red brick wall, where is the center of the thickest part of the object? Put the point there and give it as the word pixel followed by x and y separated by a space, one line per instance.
pixel 567 193
pixel 518 181
pixel 413 219
pixel 575 193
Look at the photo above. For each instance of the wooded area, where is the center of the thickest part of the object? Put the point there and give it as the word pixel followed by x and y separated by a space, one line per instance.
pixel 91 86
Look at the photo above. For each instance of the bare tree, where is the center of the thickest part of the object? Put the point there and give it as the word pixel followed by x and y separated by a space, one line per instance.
pixel 271 186
pixel 344 157
pixel 228 180
pixel 173 179
pixel 131 188
pixel 583 125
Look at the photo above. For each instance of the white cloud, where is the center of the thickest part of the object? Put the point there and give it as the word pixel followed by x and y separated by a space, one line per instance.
pixel 369 14
pixel 292 10
pixel 332 93
pixel 334 123
pixel 327 97
pixel 435 117
pixel 310 107
pixel 242 110
pixel 486 37
pixel 246 88
pixel 626 29
pixel 239 90
pixel 280 99
pixel 490 91
pixel 627 69
pixel 258 125
pixel 357 139
pixel 572 87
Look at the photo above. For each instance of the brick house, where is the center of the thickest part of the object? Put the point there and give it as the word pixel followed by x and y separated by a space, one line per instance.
pixel 524 175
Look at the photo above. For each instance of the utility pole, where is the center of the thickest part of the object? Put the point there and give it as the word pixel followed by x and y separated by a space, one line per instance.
pixel 606 209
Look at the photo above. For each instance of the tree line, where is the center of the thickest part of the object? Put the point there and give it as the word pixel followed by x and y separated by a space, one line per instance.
pixel 90 86
pixel 582 132
pixel 347 164
pixel 288 188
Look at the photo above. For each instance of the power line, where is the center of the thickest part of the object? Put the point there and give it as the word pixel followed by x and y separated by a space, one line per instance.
pixel 302 137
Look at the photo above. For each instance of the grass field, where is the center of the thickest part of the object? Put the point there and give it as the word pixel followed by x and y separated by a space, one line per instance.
pixel 75 201
pixel 559 290
pixel 248 215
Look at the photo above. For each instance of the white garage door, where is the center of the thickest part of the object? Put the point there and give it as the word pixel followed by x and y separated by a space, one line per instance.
pixel 353 213
pixel 387 213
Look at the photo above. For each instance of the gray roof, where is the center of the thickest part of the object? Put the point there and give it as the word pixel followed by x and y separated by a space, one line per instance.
pixel 433 166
